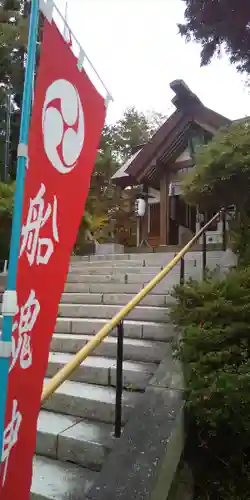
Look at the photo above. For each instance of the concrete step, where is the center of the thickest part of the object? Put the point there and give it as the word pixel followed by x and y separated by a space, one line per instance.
pixel 140 278
pixel 167 283
pixel 133 349
pixel 131 266
pixel 89 401
pixel 140 313
pixel 75 425
pixel 109 278
pixel 113 288
pixel 150 258
pixel 125 257
pixel 114 299
pixel 70 439
pixel 109 270
pixel 191 254
pixel 147 330
pixel 107 263
pixel 102 371
pixel 54 480
pixel 95 257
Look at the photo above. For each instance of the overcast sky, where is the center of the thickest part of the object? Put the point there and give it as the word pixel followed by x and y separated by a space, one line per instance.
pixel 135 46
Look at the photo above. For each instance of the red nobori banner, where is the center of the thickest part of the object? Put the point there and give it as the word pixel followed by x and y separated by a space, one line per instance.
pixel 67 120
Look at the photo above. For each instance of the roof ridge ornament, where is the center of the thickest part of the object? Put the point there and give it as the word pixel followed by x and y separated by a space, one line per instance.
pixel 183 95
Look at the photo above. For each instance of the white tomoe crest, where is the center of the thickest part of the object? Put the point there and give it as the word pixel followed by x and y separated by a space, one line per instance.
pixel 10 436
pixel 63 125
pixel 21 346
pixel 39 249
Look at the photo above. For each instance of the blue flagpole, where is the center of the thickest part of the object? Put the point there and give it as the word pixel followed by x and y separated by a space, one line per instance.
pixel 10 298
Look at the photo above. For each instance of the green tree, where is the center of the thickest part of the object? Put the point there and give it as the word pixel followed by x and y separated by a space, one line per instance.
pixel 217 24
pixel 6 210
pixel 133 129
pixel 106 203
pixel 101 190
pixel 13 35
pixel 13 45
pixel 221 175
pixel 2 129
pixel 117 144
pixel 221 178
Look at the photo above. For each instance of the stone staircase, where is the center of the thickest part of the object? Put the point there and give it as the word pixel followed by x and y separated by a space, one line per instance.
pixel 75 426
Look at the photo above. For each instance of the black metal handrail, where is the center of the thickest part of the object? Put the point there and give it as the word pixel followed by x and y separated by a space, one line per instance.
pixel 120 327
pixel 119 380
pixel 204 254
pixel 182 271
pixel 204 249
pixel 65 372
pixel 224 231
pixel 3 265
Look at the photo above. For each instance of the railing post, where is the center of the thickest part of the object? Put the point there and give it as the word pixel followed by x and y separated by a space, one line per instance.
pixel 224 235
pixel 119 380
pixel 182 271
pixel 204 254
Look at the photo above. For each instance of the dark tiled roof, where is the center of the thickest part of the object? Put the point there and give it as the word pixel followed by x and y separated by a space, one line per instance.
pixel 147 153
pixel 121 176
pixel 166 142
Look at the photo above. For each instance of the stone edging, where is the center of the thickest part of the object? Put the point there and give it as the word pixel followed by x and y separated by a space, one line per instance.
pixel 145 459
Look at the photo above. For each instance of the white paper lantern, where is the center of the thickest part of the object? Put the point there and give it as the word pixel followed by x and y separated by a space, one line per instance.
pixel 171 189
pixel 140 207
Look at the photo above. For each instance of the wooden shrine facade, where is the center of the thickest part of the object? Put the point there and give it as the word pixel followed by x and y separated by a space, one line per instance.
pixel 157 165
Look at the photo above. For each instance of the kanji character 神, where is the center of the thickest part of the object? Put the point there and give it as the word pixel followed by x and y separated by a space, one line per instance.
pixel 10 437
pixel 39 249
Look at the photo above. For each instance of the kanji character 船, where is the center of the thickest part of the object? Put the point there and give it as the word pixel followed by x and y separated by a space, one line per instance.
pixel 39 249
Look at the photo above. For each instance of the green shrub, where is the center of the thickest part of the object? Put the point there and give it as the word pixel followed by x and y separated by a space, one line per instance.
pixel 240 239
pixel 215 351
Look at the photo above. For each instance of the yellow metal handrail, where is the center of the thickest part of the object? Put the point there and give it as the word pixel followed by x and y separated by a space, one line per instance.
pixel 63 374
